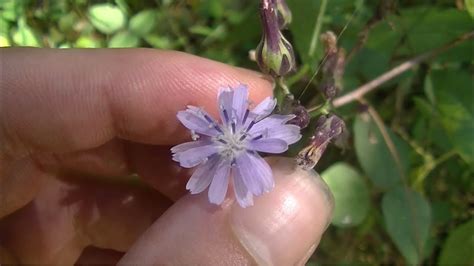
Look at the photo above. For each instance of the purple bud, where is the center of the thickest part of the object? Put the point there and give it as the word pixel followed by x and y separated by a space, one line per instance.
pixel 274 53
pixel 292 106
pixel 328 128
pixel 328 88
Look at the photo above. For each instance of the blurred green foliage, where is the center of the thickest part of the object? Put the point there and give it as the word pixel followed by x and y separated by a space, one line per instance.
pixel 409 204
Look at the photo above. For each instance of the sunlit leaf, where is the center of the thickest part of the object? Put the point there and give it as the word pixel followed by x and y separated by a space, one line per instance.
pixel 143 22
pixel 124 39
pixel 24 35
pixel 469 7
pixel 106 18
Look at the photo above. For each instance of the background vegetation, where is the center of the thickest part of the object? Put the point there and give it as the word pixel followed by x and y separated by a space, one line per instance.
pixel 404 185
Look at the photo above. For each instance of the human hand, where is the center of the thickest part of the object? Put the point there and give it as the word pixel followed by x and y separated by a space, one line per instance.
pixel 74 126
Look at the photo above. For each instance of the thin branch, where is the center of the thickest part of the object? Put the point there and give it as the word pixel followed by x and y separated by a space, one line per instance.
pixel 396 156
pixel 368 87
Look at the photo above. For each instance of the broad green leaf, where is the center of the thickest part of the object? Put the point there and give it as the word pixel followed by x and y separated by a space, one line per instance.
pixel 124 39
pixel 143 22
pixel 454 95
pixel 458 248
pixel 469 7
pixel 374 155
pixel 106 18
pixel 351 194
pixel 24 35
pixel 407 218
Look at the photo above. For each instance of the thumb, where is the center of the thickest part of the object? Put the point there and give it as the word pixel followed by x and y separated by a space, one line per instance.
pixel 282 228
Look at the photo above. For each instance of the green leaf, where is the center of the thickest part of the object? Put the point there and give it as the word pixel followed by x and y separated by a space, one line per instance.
pixel 4 42
pixel 428 88
pixel 374 155
pixel 160 42
pixel 457 250
pixel 24 35
pixel 124 39
pixel 453 91
pixel 351 194
pixel 11 9
pixel 87 42
pixel 470 7
pixel 302 26
pixel 407 218
pixel 106 18
pixel 143 22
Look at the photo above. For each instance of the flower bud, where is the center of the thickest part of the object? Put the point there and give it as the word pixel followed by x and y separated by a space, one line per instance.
pixel 284 14
pixel 328 128
pixel 292 106
pixel 328 88
pixel 274 53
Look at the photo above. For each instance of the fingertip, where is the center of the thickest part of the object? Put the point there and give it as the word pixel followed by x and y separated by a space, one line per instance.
pixel 283 227
pixel 286 224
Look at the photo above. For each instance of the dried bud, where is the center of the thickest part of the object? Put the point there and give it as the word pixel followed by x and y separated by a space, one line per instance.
pixel 335 57
pixel 284 14
pixel 327 128
pixel 328 88
pixel 275 54
pixel 292 106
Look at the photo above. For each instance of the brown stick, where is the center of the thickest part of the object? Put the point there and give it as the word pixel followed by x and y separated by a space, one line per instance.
pixel 362 90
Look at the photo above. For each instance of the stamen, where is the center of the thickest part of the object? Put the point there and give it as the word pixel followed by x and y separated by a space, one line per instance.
pixel 243 137
pixel 226 116
pixel 245 116
pixel 250 126
pixel 218 128
pixel 258 137
pixel 222 141
pixel 208 119
pixel 233 127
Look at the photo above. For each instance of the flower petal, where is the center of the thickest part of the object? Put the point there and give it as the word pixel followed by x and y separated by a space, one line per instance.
pixel 189 145
pixel 203 175
pixel 242 194
pixel 220 182
pixel 195 156
pixel 224 97
pixel 289 133
pixel 196 123
pixel 265 107
pixel 271 121
pixel 240 102
pixel 272 145
pixel 255 172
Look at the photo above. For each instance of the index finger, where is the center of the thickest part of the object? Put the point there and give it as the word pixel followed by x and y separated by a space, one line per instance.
pixel 65 100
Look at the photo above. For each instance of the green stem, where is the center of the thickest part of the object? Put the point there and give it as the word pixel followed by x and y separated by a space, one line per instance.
pixel 317 28
pixel 281 83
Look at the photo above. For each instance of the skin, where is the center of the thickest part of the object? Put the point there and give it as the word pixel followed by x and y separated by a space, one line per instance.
pixel 77 128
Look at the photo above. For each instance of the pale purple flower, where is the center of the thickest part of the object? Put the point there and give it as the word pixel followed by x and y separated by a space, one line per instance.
pixel 229 149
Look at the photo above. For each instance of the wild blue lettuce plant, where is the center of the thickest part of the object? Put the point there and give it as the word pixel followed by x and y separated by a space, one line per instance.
pixel 229 149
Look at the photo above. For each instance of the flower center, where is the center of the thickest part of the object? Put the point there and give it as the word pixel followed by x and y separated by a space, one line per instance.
pixel 231 144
